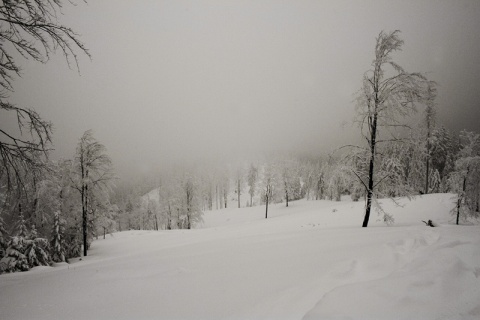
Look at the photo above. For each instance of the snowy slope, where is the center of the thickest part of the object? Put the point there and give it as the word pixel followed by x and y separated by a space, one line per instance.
pixel 309 261
pixel 153 195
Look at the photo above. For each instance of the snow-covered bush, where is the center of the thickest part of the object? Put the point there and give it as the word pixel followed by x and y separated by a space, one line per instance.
pixel 14 259
pixel 36 251
pixel 25 251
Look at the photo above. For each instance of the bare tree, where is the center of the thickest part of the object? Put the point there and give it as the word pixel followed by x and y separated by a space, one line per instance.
pixel 190 202
pixel 29 28
pixel 189 196
pixel 170 199
pixel 430 125
pixel 388 95
pixel 252 181
pixel 286 180
pixel 224 185
pixel 269 181
pixel 93 173
pixel 289 173
pixel 239 184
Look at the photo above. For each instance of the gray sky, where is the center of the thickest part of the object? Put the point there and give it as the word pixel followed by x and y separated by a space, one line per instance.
pixel 175 80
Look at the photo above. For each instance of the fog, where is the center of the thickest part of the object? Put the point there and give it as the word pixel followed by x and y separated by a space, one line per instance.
pixel 179 81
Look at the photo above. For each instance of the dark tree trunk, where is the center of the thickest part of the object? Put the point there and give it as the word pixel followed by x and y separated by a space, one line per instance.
pixel 373 137
pixel 84 175
pixel 459 202
pixel 318 194
pixel 430 124
pixel 169 218
pixel 179 223
pixel 84 222
pixel 368 208
pixel 34 210
pixel 266 207
pixel 286 194
pixel 210 198
pixel 427 173
pixel 189 203
pixel 225 196
pixel 238 192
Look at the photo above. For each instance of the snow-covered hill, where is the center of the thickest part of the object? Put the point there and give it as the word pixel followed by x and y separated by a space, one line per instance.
pixel 308 261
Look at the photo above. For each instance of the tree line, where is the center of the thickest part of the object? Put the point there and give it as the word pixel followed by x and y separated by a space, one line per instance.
pixel 63 207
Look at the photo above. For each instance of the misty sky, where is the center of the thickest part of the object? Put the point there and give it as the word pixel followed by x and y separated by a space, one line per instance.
pixel 176 80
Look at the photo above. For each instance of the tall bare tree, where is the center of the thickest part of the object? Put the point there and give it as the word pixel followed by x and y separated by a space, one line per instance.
pixel 93 174
pixel 29 29
pixel 239 184
pixel 269 182
pixel 388 95
pixel 252 181
pixel 190 208
pixel 430 125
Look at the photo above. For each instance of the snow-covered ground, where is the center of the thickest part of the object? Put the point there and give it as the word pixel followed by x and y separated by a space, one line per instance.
pixel 308 261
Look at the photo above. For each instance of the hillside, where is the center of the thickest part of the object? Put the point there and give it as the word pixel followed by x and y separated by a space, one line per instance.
pixel 308 261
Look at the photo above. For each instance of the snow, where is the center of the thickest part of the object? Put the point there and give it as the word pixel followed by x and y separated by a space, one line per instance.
pixel 308 261
pixel 152 195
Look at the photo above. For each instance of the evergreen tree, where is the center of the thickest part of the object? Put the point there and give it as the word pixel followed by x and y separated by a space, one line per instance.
pixel 57 244
pixel 36 250
pixel 22 227
pixel 15 259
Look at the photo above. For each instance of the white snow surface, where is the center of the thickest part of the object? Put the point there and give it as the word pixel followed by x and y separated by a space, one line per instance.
pixel 311 260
